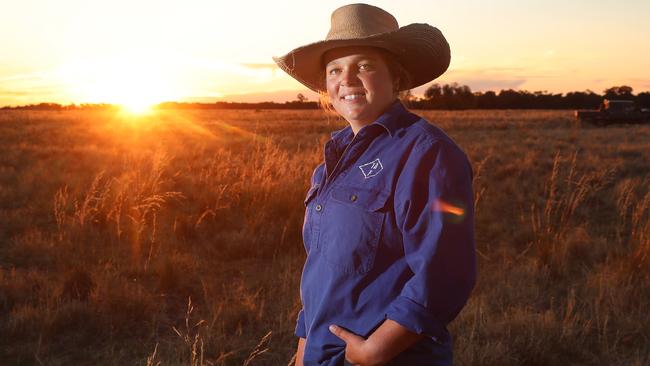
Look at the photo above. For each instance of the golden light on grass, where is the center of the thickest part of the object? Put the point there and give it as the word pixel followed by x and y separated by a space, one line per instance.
pixel 177 203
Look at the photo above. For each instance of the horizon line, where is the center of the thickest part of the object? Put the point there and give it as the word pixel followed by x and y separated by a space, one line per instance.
pixel 307 100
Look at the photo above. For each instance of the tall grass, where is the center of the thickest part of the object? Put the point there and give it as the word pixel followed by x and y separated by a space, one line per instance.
pixel 110 224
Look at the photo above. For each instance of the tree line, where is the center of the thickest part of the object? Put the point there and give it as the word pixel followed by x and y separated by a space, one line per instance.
pixel 454 96
pixel 436 96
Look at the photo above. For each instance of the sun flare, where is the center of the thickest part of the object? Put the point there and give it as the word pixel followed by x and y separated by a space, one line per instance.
pixel 138 106
pixel 134 83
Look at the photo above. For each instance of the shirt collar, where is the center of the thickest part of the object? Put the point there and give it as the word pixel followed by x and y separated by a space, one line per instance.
pixel 392 118
pixel 389 120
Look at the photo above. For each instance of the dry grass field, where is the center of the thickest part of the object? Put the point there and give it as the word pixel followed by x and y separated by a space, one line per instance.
pixel 110 224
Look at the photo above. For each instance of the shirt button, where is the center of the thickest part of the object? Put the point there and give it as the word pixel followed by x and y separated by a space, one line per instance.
pixel 319 207
pixel 353 198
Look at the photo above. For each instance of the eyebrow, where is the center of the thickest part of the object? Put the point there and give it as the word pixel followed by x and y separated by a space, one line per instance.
pixel 369 58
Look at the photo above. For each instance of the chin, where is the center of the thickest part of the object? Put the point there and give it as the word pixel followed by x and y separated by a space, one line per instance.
pixel 353 113
pixel 357 118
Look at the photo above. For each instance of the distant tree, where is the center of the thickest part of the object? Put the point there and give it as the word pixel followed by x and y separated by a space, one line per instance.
pixel 619 92
pixel 582 100
pixel 487 100
pixel 432 92
pixel 449 96
pixel 407 97
pixel 464 98
pixel 510 99
pixel 643 100
pixel 301 98
pixel 448 90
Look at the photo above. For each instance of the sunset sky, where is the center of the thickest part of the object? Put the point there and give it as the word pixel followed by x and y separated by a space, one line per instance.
pixel 120 51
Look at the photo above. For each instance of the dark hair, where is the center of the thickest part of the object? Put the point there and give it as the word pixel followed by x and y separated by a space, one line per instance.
pixel 398 73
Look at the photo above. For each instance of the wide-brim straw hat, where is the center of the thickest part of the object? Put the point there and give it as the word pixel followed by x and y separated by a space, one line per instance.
pixel 420 48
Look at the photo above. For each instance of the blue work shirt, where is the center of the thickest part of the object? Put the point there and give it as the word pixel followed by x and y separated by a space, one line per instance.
pixel 389 233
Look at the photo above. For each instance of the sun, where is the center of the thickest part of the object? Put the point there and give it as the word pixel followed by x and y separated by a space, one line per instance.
pixel 139 104
pixel 138 107
pixel 138 90
pixel 134 83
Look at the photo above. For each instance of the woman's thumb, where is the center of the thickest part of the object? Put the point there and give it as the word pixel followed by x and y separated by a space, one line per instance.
pixel 339 332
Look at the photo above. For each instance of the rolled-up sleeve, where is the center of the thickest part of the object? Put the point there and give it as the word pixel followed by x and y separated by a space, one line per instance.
pixel 435 214
pixel 300 325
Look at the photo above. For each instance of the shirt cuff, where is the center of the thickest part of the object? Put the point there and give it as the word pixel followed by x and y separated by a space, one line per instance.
pixel 300 331
pixel 417 319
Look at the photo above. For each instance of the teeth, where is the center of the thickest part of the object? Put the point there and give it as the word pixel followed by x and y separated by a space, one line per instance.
pixel 353 96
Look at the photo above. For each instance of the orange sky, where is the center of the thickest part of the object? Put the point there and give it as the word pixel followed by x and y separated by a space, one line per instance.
pixel 145 51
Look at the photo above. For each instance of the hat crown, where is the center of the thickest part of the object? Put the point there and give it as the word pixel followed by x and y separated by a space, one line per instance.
pixel 360 20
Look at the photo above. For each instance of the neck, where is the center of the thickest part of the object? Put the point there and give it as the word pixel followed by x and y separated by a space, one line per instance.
pixel 356 125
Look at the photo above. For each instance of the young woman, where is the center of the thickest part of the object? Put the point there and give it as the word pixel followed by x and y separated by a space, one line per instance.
pixel 389 225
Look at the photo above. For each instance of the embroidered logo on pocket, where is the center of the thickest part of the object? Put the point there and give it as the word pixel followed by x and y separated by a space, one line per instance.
pixel 372 168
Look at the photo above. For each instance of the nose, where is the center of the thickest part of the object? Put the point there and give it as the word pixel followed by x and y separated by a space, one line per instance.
pixel 349 77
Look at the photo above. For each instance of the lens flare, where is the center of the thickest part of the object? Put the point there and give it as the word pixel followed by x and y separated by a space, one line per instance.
pixel 446 207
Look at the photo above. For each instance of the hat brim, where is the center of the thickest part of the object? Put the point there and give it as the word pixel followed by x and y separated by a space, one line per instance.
pixel 421 49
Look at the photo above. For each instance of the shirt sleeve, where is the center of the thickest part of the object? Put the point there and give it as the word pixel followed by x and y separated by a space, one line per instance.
pixel 435 213
pixel 300 331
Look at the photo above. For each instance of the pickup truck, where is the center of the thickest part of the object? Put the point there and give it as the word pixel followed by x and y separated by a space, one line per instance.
pixel 614 111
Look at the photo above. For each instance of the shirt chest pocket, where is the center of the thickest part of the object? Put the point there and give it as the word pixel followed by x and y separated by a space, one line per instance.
pixel 352 226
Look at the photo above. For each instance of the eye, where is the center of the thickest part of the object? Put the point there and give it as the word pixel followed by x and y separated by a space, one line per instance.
pixel 333 71
pixel 365 67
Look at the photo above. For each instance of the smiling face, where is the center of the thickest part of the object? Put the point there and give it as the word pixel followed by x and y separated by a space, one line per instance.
pixel 359 84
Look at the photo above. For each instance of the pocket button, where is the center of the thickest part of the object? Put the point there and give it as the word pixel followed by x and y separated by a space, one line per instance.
pixel 319 207
pixel 353 197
